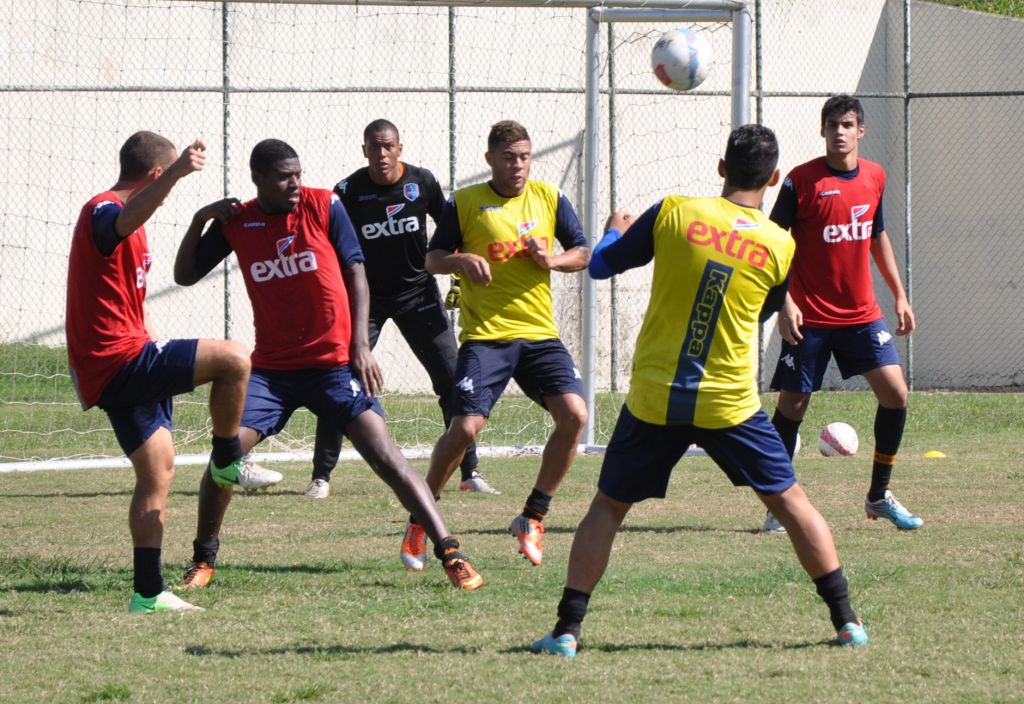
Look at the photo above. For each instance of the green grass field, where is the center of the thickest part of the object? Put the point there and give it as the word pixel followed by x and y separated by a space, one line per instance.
pixel 311 602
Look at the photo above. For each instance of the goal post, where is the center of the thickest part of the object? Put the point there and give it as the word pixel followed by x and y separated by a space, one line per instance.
pixel 306 72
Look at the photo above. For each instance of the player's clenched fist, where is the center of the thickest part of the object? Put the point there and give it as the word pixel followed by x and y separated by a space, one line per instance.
pixel 192 159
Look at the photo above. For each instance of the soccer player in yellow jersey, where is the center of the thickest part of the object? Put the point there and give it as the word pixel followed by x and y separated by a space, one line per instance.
pixel 719 265
pixel 499 236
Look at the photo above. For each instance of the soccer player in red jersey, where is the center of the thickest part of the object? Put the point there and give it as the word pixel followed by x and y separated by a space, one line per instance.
pixel 303 271
pixel 116 363
pixel 832 205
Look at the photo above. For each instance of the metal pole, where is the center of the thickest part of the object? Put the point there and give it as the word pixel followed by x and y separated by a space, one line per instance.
pixel 907 164
pixel 226 145
pixel 612 197
pixel 451 99
pixel 741 66
pixel 590 145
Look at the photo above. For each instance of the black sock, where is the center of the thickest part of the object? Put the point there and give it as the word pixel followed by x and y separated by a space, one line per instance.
pixel 205 552
pixel 537 505
pixel 834 590
pixel 448 550
pixel 571 610
pixel 326 451
pixel 889 423
pixel 149 574
pixel 470 462
pixel 788 431
pixel 225 451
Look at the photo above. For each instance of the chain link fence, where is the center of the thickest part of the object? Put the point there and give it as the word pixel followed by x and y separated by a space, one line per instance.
pixel 78 77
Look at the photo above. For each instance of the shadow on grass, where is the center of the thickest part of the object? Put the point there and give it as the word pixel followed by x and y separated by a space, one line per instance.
pixel 324 650
pixel 684 648
pixel 623 529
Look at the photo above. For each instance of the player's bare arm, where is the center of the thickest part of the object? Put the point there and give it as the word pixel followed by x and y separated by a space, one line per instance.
pixel 361 359
pixel 185 272
pixel 140 205
pixel 790 321
pixel 885 260
pixel 619 220
pixel 472 266
pixel 571 260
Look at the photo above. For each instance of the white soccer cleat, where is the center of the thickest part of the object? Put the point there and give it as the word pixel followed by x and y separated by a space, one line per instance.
pixel 772 525
pixel 164 601
pixel 477 483
pixel 253 476
pixel 318 489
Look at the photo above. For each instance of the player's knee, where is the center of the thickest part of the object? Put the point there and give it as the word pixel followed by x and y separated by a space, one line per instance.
pixel 464 429
pixel 573 418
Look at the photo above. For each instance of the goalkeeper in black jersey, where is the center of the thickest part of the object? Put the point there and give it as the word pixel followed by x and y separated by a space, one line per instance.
pixel 388 202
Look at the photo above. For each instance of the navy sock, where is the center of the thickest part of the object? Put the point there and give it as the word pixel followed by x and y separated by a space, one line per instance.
pixel 225 451
pixel 205 552
pixel 835 592
pixel 788 430
pixel 149 575
pixel 571 611
pixel 537 505
pixel 470 462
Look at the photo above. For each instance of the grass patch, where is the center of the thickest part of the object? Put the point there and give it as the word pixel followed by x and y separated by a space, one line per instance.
pixel 311 602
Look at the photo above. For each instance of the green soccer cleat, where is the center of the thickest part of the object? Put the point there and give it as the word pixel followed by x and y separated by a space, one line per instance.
pixel 164 601
pixel 245 474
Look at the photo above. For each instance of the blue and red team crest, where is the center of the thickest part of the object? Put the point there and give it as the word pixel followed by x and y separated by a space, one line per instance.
pixel 284 243
pixel 742 223
pixel 393 209
pixel 525 227
pixel 411 191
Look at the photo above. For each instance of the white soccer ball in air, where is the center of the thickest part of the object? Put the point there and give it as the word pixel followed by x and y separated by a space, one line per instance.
pixel 838 439
pixel 681 59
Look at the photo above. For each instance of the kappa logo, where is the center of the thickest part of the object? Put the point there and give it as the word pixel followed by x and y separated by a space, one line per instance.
pixel 576 373
pixel 826 194
pixel 101 205
pixel 342 186
pixel 411 191
pixel 883 338
pixel 160 344
pixel 525 227
pixel 355 387
pixel 466 384
pixel 853 231
pixel 253 224
pixel 789 361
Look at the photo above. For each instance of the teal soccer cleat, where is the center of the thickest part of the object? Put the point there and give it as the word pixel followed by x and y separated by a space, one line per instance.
pixel 852 634
pixel 564 645
pixel 892 510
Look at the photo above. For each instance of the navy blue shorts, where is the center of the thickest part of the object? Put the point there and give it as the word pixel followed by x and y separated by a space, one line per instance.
pixel 139 399
pixel 332 395
pixel 640 456
pixel 540 367
pixel 857 349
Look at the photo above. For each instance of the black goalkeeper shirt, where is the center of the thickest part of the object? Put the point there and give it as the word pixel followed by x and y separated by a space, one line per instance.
pixel 391 223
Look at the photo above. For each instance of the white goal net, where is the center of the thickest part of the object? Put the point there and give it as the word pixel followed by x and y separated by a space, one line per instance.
pixel 78 76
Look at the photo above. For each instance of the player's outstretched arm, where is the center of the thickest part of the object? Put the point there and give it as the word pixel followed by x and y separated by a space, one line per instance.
pixel 141 205
pixel 187 269
pixel 885 260
pixel 361 358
